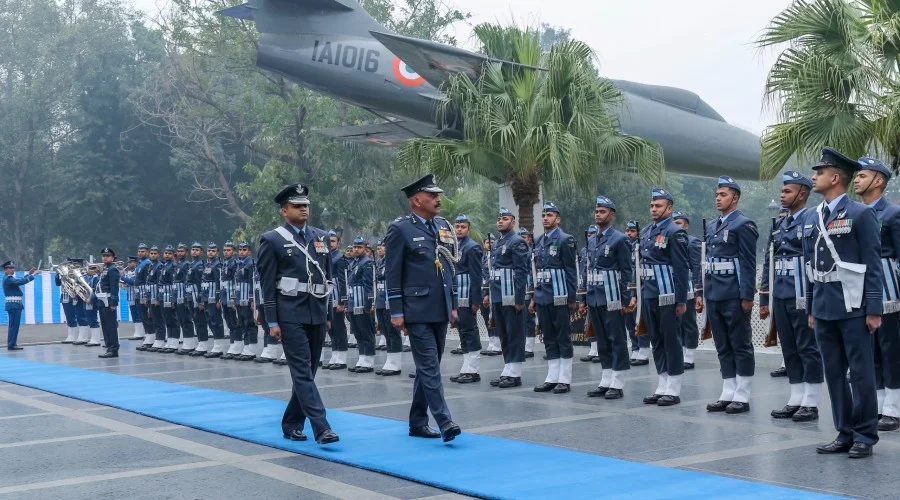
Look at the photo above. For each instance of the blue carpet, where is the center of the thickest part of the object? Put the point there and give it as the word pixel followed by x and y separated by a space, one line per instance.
pixel 481 466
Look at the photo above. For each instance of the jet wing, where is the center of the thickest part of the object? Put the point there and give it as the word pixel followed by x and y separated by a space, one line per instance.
pixel 389 133
pixel 436 62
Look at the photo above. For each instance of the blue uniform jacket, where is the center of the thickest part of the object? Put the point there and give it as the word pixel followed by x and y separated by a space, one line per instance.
pixel 610 261
pixel 664 263
pixel 109 283
pixel 695 275
pixel 731 244
pixel 417 288
pixel 888 215
pixel 510 266
pixel 380 291
pixel 277 259
pixel 209 283
pixel 554 258
pixel 361 284
pixel 339 264
pixel 469 271
pixel 229 268
pixel 11 289
pixel 195 279
pixel 854 231
pixel 243 281
pixel 790 272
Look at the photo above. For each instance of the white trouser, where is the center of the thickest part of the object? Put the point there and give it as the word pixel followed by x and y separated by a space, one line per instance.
pixel 84 334
pixel 471 362
pixel 236 347
pixel 393 361
pixel 96 336
pixel 71 334
pixel 365 362
pixel 529 344
pixel 202 346
pixel 338 358
pixel 593 351
pixel 248 350
pixel 138 331
pixel 688 355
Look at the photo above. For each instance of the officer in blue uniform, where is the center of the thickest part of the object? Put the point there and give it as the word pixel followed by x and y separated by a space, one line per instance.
pixel 845 301
pixel 295 277
pixel 729 290
pixel 108 302
pixel 194 284
pixel 154 274
pixel 608 273
pixel 803 363
pixel 13 292
pixel 227 291
pixel 554 298
pixel 394 343
pixel 468 297
pixel 168 294
pixel 338 309
pixel 583 257
pixel 132 295
pixel 272 352
pixel 509 269
pixel 67 303
pixel 493 347
pixel 143 299
pixel 419 249
pixel 640 345
pixel 243 299
pixel 92 309
pixel 530 317
pixel 211 300
pixel 79 311
pixel 665 290
pixel 870 183
pixel 183 302
pixel 362 321
pixel 690 333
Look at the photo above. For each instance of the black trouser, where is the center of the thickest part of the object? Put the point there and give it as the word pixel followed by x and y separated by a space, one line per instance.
pixel 427 342
pixel 171 320
pixel 235 332
pixel 511 329
pixel 486 316
pixel 200 323
pixel 732 335
pixel 530 324
pixel 146 318
pixel 159 321
pixel 363 326
pixel 214 320
pixel 664 330
pixel 556 330
pixel 302 349
pixel 612 342
pixel 185 321
pixel 467 324
pixel 267 339
pixel 392 336
pixel 887 352
pixel 109 323
pixel 854 406
pixel 802 359
pixel 338 331
pixel 247 325
pixel 690 332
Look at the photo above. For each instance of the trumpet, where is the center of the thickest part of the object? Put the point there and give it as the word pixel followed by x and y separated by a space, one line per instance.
pixel 98 266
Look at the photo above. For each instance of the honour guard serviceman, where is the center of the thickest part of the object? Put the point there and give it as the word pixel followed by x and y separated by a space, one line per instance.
pixel 608 273
pixel 664 292
pixel 235 334
pixel 583 257
pixel 133 295
pixel 640 346
pixel 690 333
pixel 140 282
pixel 419 275
pixel 361 288
pixel 78 307
pixel 211 300
pixel 91 308
pixel 729 291
pixel 394 360
pixel 108 300
pixel 843 254
pixel 195 281
pixel 68 306
pixel 870 182
pixel 244 278
pixel 509 269
pixel 183 302
pixel 156 308
pixel 295 276
pixel 338 329
pixel 554 298
pixel 168 294
pixel 13 292
pixel 803 363
pixel 530 317
pixel 468 292
pixel 493 347
pixel 272 352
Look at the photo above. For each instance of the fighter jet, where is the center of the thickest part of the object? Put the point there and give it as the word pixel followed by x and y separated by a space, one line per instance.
pixel 335 47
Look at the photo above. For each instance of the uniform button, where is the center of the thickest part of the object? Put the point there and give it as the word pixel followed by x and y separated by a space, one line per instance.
pixel 821 249
pixel 821 263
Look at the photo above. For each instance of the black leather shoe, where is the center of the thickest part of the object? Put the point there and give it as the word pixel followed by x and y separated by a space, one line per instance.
pixel 361 369
pixel 352 346
pixel 586 359
pixel 327 437
pixel 599 392
pixel 251 357
pixel 545 387
pixel 786 412
pixel 267 360
pixel 412 375
pixel 182 352
pixel 449 431
pixel 529 354
pixel 386 373
pixel 338 366
pixel 83 342
pixel 490 353
pixel 689 366
pixel 861 450
pixel 496 381
pixel 295 435
pixel 458 350
pixel 640 362
pixel 424 432
pixel 544 357
pixel 91 345
pixel 195 354
pixel 652 400
pixel 280 362
pixel 888 423
pixel 406 348
pixel 781 372
pixel 717 406
pixel 211 355
pixel 108 354
pixel 614 394
pixel 169 350
pixel 142 347
pixel 737 407
pixel 668 400
pixel 833 447
pixel 562 389
pixel 327 343
pixel 806 414
pixel 381 348
pixel 510 382
pixel 453 378
pixel 14 348
pixel 596 359
pixel 228 355
pixel 468 378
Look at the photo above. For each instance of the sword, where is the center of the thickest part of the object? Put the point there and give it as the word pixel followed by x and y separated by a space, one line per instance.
pixel 772 337
pixel 490 266
pixel 706 332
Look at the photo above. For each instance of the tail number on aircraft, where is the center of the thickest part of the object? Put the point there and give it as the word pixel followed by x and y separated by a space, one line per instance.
pixel 348 56
pixel 405 74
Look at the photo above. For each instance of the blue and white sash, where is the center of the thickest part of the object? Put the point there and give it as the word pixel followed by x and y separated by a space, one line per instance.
pixel 889 286
pixel 793 266
pixel 507 285
pixel 358 297
pixel 463 287
pixel 662 274
pixel 557 279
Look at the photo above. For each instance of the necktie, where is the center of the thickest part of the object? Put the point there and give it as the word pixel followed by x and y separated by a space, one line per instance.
pixel 718 224
pixel 302 234
pixel 790 219
pixel 826 212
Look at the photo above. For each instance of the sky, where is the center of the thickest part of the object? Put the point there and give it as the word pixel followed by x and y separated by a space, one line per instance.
pixel 705 46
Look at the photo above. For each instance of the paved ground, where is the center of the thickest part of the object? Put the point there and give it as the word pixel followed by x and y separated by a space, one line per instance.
pixel 55 447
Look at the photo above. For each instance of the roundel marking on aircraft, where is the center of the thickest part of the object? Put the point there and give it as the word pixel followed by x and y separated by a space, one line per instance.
pixel 406 75
pixel 380 142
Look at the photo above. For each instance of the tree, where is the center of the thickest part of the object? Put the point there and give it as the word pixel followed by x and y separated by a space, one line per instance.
pixel 835 82
pixel 526 126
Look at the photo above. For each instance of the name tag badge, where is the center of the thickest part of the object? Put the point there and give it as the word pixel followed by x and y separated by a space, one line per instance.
pixel 420 238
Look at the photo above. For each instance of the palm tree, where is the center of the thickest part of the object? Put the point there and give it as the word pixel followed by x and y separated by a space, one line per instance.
pixel 524 126
pixel 835 82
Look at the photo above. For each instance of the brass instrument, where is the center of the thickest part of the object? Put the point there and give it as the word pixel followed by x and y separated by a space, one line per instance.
pixel 73 281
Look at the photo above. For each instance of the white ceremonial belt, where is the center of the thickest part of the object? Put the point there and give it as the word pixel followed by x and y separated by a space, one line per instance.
pixel 498 273
pixel 379 286
pixel 14 298
pixel 292 286
pixel 785 265
pixel 648 273
pixel 829 277
pixel 719 266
